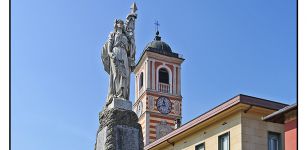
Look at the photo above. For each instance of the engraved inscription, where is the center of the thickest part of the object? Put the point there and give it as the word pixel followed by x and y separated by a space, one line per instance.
pixel 127 138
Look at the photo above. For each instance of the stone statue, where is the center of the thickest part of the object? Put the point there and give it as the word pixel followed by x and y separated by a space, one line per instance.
pixel 118 124
pixel 118 56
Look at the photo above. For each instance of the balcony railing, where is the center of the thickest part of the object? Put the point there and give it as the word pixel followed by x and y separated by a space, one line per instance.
pixel 162 87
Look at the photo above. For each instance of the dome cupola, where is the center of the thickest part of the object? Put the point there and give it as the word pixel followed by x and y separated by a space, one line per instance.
pixel 159 45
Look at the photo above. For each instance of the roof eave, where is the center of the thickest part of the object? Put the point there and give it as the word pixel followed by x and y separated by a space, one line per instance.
pixel 146 50
pixel 279 113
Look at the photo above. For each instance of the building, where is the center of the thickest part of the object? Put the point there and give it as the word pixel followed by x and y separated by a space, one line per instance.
pixel 235 124
pixel 288 117
pixel 158 90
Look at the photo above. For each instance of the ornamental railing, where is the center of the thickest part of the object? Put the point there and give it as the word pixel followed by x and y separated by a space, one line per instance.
pixel 162 87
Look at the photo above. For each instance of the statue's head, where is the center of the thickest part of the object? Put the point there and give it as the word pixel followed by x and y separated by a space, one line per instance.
pixel 119 24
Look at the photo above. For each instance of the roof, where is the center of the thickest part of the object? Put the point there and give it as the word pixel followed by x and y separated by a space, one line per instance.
pixel 243 99
pixel 160 47
pixel 278 116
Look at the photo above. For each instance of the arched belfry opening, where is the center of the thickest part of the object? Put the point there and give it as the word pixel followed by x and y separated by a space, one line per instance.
pixel 163 76
pixel 163 80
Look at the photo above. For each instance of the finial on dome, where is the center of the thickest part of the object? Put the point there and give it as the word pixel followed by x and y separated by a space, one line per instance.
pixel 157 38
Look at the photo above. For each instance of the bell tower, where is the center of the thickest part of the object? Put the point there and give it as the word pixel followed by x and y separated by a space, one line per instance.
pixel 158 99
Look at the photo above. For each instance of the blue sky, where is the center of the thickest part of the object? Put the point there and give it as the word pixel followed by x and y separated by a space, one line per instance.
pixel 59 85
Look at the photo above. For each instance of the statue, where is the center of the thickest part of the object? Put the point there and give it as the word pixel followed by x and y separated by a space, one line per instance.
pixel 118 56
pixel 118 124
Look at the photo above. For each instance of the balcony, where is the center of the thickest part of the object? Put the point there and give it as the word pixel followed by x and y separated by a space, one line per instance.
pixel 162 87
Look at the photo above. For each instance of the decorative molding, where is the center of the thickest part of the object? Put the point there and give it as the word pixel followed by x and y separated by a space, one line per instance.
pixel 174 81
pixel 153 75
pixel 177 107
pixel 151 102
pixel 179 80
pixel 148 54
pixel 145 74
pixel 148 85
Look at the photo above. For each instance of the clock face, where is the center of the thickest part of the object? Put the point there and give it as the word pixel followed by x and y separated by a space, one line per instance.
pixel 139 109
pixel 164 105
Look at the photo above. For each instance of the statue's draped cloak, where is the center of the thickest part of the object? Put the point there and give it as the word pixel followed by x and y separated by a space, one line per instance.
pixel 118 60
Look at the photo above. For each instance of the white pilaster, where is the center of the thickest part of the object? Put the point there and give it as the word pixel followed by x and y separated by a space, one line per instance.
pixel 174 80
pixel 179 80
pixel 145 75
pixel 148 74
pixel 153 75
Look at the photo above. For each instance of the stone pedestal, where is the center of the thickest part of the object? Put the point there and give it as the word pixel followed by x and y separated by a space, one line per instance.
pixel 120 103
pixel 119 128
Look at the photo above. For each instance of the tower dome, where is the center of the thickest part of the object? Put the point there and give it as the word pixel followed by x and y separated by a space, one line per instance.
pixel 159 45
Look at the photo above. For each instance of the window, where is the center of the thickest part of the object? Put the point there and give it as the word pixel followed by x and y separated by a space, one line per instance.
pixel 163 76
pixel 200 146
pixel 224 142
pixel 141 81
pixel 274 142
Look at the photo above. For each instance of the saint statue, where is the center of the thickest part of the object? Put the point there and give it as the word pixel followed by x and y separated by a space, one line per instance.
pixel 118 56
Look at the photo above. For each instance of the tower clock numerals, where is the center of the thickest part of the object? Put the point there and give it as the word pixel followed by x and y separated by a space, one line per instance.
pixel 164 105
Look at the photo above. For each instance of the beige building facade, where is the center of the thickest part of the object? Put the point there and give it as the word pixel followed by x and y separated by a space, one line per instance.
pixel 236 125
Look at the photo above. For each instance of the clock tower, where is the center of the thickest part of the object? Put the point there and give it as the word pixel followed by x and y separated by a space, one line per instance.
pixel 158 99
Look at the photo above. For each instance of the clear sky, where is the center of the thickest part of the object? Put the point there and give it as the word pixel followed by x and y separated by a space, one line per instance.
pixel 59 85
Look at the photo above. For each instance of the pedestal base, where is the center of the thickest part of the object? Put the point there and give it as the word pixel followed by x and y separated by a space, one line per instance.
pixel 119 130
pixel 120 103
